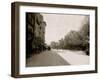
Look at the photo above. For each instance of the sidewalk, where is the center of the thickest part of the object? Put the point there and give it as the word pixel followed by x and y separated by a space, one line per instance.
pixel 74 57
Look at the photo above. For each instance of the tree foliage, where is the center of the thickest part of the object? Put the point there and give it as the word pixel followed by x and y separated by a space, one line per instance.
pixel 75 40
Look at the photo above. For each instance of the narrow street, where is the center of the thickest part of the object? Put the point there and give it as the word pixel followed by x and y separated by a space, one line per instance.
pixel 57 58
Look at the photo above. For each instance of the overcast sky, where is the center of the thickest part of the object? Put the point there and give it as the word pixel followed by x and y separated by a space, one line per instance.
pixel 59 25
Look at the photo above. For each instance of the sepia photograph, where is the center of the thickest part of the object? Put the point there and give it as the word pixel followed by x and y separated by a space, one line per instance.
pixel 53 39
pixel 57 39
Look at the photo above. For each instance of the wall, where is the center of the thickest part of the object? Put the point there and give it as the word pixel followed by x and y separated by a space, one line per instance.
pixel 5 40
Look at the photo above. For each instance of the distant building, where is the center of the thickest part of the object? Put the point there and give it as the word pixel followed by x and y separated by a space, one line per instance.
pixel 35 32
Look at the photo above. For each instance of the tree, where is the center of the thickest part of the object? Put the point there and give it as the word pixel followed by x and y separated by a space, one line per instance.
pixel 61 44
pixel 84 31
pixel 54 45
pixel 75 40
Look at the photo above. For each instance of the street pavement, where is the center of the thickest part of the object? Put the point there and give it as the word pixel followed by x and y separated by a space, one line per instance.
pixel 46 58
pixel 57 58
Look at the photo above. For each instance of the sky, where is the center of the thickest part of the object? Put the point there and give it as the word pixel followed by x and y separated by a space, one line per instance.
pixel 59 25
